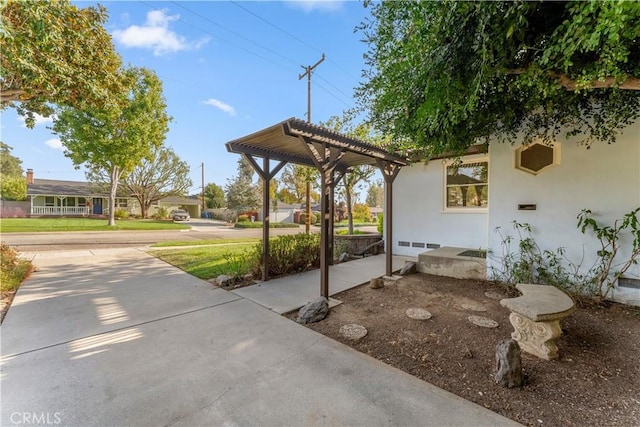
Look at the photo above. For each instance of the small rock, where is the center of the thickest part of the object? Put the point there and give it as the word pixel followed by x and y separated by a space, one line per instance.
pixel 493 295
pixel 353 331
pixel 408 268
pixel 483 321
pixel 376 283
pixel 418 313
pixel 248 277
pixel 474 307
pixel 344 257
pixel 314 311
pixel 223 280
pixel 508 364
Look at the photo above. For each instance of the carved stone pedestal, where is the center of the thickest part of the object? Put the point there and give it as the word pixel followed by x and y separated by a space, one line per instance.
pixel 536 317
pixel 537 338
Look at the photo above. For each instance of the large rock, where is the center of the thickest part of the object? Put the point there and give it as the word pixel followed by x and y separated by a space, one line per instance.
pixel 314 311
pixel 223 280
pixel 408 268
pixel 508 364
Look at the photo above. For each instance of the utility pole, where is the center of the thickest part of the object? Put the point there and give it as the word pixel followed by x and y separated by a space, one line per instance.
pixel 308 71
pixel 204 206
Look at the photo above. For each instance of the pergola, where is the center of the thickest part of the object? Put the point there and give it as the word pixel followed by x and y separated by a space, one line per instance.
pixel 332 154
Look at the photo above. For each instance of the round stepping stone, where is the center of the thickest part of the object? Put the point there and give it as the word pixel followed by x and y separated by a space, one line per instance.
pixel 353 331
pixel 418 314
pixel 474 307
pixel 493 295
pixel 483 321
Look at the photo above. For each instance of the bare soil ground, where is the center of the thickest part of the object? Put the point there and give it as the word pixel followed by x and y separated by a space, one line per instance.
pixel 595 381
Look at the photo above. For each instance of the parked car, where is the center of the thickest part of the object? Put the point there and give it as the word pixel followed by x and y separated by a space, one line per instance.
pixel 180 215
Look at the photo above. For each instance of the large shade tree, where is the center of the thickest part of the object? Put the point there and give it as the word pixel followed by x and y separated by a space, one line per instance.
pixel 161 175
pixel 55 53
pixel 445 75
pixel 242 194
pixel 112 141
pixel 13 185
pixel 214 196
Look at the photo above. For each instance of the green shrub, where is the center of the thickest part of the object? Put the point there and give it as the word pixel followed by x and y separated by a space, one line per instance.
pixel 258 224
pixel 361 212
pixel 243 218
pixel 289 254
pixel 161 213
pixel 13 270
pixel 121 214
pixel 380 225
pixel 313 219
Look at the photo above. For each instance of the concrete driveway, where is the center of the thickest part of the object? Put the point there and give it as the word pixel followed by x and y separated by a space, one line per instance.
pixel 119 338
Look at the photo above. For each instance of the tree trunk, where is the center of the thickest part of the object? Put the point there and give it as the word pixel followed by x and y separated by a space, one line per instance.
pixel 347 193
pixel 115 179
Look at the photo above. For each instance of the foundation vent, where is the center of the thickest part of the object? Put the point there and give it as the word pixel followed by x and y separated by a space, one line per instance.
pixel 403 243
pixel 417 245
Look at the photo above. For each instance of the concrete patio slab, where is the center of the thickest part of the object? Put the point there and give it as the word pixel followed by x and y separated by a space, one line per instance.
pixel 286 294
pixel 82 293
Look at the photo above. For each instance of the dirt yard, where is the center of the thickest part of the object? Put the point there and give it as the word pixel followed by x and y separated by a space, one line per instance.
pixel 595 381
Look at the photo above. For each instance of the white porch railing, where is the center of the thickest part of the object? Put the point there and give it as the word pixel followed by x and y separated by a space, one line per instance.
pixel 60 210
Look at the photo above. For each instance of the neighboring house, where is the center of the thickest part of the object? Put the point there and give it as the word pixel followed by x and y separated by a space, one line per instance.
pixel 442 204
pixel 49 197
pixel 281 212
pixel 190 204
pixel 375 212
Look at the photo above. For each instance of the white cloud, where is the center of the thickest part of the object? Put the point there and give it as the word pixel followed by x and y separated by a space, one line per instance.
pixel 40 120
pixel 54 143
pixel 221 106
pixel 320 5
pixel 156 35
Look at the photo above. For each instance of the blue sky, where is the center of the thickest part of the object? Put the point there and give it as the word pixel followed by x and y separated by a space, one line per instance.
pixel 228 69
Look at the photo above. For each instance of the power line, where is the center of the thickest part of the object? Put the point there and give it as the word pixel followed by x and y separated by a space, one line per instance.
pixel 278 64
pixel 292 36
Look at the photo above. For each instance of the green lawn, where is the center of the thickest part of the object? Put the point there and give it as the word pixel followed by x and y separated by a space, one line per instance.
pixel 30 225
pixel 208 262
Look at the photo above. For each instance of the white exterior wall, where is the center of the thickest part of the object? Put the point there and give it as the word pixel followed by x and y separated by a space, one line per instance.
pixel 604 179
pixel 419 215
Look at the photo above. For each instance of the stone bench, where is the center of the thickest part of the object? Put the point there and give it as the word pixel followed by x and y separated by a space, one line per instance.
pixel 536 317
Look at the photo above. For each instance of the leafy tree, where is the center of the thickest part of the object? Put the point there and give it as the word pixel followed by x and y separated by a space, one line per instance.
pixel 214 196
pixel 445 75
pixel 10 165
pixel 358 174
pixel 375 196
pixel 294 180
pixel 242 194
pixel 161 175
pixel 110 142
pixel 54 52
pixel 13 187
pixel 361 212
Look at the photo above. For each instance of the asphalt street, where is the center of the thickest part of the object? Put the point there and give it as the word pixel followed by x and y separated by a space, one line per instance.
pixel 201 229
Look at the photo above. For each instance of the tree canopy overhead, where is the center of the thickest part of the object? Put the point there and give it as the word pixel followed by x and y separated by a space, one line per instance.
pixel 446 75
pixel 55 53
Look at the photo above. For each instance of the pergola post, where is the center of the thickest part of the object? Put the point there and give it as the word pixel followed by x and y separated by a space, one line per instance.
pixel 265 175
pixel 326 158
pixel 389 172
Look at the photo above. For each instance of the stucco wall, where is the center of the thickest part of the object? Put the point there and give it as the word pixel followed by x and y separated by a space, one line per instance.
pixel 604 178
pixel 419 216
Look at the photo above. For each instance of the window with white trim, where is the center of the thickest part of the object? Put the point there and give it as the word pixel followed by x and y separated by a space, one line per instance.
pixel 121 203
pixel 467 185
